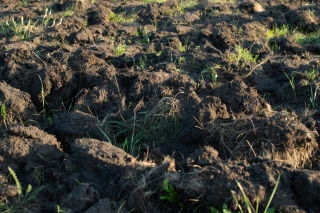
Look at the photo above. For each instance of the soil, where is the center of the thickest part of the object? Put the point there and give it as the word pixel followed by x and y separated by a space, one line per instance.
pixel 102 101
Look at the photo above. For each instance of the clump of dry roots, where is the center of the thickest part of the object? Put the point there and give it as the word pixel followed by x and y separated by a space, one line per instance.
pixel 281 137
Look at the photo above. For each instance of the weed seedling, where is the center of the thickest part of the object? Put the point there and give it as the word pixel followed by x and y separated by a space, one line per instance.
pixel 46 19
pixel 242 53
pixel 311 74
pixel 129 135
pixel 23 2
pixel 22 30
pixel 23 199
pixel 211 73
pixel 171 194
pixel 28 196
pixel 224 209
pixel 119 210
pixel 184 47
pixel 42 98
pixel 123 17
pixel 120 49
pixel 125 144
pixel 4 113
pixel 145 35
pixel 133 141
pixel 313 96
pixel 277 32
pixel 104 134
pixel 143 62
pixel 68 12
pixel 291 81
pixel 179 63
pixel 59 210
pixel 274 46
pixel 184 4
pixel 247 203
pixel 144 2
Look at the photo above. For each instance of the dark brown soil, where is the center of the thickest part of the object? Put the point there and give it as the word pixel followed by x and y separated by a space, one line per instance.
pixel 101 101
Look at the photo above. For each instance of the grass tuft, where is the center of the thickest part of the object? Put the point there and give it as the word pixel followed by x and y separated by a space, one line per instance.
pixel 309 38
pixel 123 17
pixel 242 54
pixel 247 204
pixel 277 32
pixel 120 49
pixel 23 199
pixel 144 2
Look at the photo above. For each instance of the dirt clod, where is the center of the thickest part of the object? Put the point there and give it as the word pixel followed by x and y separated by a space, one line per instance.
pixel 251 7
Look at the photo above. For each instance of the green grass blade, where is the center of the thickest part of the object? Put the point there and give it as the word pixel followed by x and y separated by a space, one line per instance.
pixel 165 185
pixel 237 202
pixel 257 205
pixel 125 145
pixel 28 190
pixel 164 197
pixel 120 124
pixel 104 134
pixel 3 111
pixel 121 206
pixel 271 210
pixel 225 209
pixel 125 131
pixel 245 198
pixel 18 185
pixel 6 208
pixel 34 194
pixel 214 210
pixel 272 194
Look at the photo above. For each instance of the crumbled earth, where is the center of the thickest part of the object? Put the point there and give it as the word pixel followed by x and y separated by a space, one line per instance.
pixel 105 101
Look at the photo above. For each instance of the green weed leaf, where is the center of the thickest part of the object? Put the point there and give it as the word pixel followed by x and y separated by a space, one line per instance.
pixel 166 197
pixel 214 210
pixel 245 198
pixel 34 194
pixel 272 194
pixel 3 111
pixel 165 185
pixel 225 209
pixel 271 210
pixel 18 185
pixel 171 196
pixel 28 190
